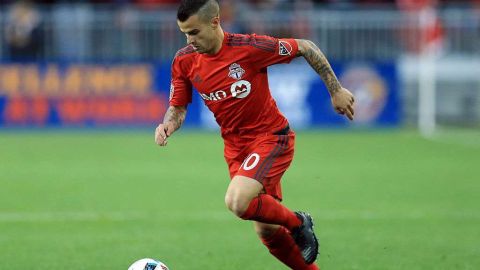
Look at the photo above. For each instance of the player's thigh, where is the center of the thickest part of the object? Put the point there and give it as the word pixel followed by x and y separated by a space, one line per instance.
pixel 265 230
pixel 264 155
pixel 268 161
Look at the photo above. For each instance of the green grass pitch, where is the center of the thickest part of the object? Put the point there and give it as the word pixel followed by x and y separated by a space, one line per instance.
pixel 100 200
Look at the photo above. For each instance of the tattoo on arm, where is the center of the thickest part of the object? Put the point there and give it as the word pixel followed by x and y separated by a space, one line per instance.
pixel 175 115
pixel 319 63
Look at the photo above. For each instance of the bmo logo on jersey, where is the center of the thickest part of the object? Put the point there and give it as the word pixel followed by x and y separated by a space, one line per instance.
pixel 240 89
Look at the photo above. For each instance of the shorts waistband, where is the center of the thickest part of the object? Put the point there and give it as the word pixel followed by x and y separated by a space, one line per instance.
pixel 232 136
pixel 283 131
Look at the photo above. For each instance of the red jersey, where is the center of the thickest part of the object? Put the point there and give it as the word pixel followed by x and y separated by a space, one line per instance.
pixel 233 83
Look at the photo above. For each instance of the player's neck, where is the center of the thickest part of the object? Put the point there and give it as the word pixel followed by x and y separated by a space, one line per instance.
pixel 219 36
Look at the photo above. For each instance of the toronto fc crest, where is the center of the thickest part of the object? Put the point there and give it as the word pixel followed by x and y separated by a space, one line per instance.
pixel 236 71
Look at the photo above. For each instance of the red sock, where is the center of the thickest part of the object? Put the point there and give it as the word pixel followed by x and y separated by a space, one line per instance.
pixel 267 209
pixel 283 247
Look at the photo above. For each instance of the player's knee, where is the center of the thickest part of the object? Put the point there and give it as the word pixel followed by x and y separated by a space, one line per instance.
pixel 236 203
pixel 240 193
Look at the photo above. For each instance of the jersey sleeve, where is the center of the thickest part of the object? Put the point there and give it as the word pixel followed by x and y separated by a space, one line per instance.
pixel 180 86
pixel 267 51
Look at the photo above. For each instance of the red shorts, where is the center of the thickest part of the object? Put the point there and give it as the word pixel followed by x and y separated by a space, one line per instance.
pixel 264 158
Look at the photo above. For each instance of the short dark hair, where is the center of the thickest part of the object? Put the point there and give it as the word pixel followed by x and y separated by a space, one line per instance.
pixel 189 8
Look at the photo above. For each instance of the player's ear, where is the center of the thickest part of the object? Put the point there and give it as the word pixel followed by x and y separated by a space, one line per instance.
pixel 215 22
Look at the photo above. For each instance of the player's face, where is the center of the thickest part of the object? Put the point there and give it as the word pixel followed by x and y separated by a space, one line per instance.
pixel 200 34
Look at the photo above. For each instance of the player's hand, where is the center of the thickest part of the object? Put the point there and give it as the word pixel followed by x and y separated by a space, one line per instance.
pixel 162 132
pixel 343 102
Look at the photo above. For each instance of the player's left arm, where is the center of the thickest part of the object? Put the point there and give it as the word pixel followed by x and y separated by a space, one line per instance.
pixel 342 99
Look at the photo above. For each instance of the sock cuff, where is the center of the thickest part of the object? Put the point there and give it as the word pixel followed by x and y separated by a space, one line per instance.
pixel 253 208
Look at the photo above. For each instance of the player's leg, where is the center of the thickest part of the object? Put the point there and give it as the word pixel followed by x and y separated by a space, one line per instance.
pixel 281 245
pixel 255 191
pixel 265 208
pixel 244 198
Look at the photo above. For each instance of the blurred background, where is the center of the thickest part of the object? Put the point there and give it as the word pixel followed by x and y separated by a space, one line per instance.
pixel 106 63
pixel 83 85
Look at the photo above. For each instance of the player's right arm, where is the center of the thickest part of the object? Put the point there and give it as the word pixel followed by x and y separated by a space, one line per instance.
pixel 173 120
pixel 180 97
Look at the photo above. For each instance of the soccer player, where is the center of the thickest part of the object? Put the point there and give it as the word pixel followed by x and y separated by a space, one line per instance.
pixel 230 73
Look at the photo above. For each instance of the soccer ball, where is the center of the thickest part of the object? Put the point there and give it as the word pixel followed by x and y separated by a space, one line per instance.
pixel 148 264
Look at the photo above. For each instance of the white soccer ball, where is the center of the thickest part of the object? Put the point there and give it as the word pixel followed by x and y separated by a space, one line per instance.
pixel 148 264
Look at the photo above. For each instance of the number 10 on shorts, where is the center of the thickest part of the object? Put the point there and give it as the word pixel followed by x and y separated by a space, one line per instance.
pixel 251 161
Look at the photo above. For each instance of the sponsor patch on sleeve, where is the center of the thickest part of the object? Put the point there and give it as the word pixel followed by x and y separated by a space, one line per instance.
pixel 172 90
pixel 284 48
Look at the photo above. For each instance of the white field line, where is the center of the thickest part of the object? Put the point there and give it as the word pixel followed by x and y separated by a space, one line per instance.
pixel 6 217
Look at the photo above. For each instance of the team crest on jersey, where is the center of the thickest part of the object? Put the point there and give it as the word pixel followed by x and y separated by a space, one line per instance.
pixel 236 71
pixel 284 48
